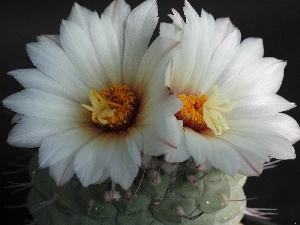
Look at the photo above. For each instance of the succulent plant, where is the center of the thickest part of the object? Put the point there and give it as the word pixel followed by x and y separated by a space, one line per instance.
pixel 162 193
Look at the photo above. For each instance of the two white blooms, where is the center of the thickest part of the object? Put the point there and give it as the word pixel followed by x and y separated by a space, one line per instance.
pixel 101 98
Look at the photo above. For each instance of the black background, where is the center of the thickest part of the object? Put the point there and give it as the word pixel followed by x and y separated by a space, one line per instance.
pixel 276 21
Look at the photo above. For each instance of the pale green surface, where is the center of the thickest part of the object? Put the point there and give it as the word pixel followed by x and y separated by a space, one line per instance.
pixel 205 202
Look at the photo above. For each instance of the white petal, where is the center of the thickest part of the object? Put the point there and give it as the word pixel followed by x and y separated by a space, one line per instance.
pixel 177 19
pixel 80 50
pixel 35 79
pixel 81 16
pixel 16 118
pixel 183 65
pixel 253 155
pixel 54 39
pixel 157 123
pixel 134 142
pixel 224 157
pixel 106 45
pixel 121 168
pixel 153 65
pixel 37 103
pixel 161 138
pixel 283 124
pixel 263 76
pixel 286 123
pixel 265 134
pixel 250 50
pixel 272 77
pixel 205 48
pixel 220 58
pixel 279 148
pixel 118 12
pixel 224 27
pixel 140 26
pixel 173 31
pixel 170 31
pixel 198 145
pixel 92 159
pixel 31 131
pixel 245 144
pixel 103 178
pixel 63 145
pixel 181 153
pixel 258 105
pixel 62 171
pixel 53 61
pixel 253 127
pixel 251 164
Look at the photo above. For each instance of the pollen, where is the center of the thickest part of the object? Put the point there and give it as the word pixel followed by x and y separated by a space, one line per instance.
pixel 113 109
pixel 200 112
pixel 192 111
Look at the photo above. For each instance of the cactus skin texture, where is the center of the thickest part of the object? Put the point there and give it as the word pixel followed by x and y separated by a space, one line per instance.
pixel 165 194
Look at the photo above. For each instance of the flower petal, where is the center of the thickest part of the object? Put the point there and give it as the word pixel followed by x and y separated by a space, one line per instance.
pixel 181 153
pixel 140 26
pixel 53 39
pixel 219 60
pixel 286 123
pixel 37 103
pixel 253 156
pixel 81 16
pixel 251 164
pixel 121 168
pixel 153 65
pixel 263 76
pixel 160 137
pixel 224 157
pixel 118 12
pixel 253 106
pixel 91 160
pixel 29 132
pixel 250 50
pixel 35 79
pixel 62 171
pixel 160 128
pixel 266 135
pixel 53 61
pixel 106 46
pixel 198 145
pixel 81 52
pixel 55 148
pixel 205 46
pixel 134 142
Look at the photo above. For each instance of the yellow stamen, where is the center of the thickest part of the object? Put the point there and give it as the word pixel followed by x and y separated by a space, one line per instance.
pixel 211 112
pixel 113 109
pixel 200 112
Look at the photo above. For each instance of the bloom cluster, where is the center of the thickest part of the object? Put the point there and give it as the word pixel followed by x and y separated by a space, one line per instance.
pixel 103 99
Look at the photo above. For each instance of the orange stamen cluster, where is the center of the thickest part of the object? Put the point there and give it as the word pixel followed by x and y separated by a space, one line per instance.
pixel 192 111
pixel 114 108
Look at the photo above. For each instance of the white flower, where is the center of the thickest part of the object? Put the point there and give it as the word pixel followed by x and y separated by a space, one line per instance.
pixel 231 116
pixel 97 99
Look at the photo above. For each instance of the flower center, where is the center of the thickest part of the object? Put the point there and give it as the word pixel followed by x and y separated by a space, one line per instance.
pixel 199 112
pixel 113 109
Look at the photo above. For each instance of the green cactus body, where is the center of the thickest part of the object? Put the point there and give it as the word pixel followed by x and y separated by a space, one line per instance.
pixel 167 194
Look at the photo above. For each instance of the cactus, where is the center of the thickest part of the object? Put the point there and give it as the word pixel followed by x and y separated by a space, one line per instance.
pixel 161 194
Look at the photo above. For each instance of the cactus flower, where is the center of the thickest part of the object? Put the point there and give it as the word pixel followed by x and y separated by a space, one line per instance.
pixel 88 104
pixel 232 117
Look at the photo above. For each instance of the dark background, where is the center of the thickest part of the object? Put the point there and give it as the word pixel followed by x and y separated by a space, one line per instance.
pixel 276 21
